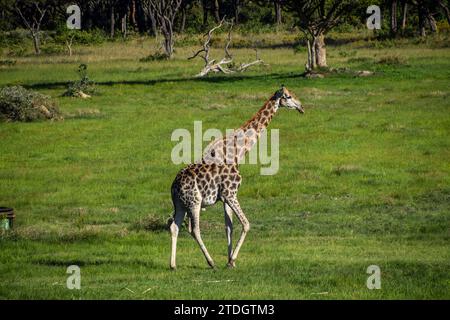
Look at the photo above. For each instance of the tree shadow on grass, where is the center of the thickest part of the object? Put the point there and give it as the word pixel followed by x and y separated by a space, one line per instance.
pixel 151 82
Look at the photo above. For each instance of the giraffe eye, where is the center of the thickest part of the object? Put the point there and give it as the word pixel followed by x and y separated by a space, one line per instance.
pixel 288 97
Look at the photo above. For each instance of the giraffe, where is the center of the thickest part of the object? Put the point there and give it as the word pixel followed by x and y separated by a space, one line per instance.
pixel 216 177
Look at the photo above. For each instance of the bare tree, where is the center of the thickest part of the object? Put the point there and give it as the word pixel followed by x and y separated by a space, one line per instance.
pixel 211 65
pixel 315 18
pixel 33 23
pixel 165 12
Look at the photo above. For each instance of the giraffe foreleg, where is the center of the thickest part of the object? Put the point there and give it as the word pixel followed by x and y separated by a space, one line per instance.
pixel 234 205
pixel 228 213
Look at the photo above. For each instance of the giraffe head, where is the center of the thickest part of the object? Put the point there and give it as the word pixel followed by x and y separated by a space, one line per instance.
pixel 288 100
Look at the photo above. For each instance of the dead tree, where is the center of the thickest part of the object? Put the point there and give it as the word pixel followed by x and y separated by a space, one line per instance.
pixel 222 65
pixel 211 65
pixel 165 12
pixel 33 23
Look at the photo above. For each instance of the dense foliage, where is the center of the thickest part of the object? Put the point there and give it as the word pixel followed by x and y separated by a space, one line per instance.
pixel 127 16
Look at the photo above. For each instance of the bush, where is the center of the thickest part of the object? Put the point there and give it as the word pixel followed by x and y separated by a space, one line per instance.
pixel 84 37
pixel 52 49
pixel 82 86
pixel 20 104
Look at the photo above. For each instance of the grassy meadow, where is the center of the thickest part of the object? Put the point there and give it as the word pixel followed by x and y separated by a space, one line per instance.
pixel 363 178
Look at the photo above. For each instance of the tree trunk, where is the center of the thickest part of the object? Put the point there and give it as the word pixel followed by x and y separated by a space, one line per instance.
pixel 205 12
pixel 124 26
pixel 422 18
pixel 277 5
pixel 36 42
pixel 112 22
pixel 236 7
pixel 393 17
pixel 153 22
pixel 405 10
pixel 432 23
pixel 141 18
pixel 87 18
pixel 168 46
pixel 183 20
pixel 133 13
pixel 320 51
pixel 446 10
pixel 311 59
pixel 308 58
pixel 216 11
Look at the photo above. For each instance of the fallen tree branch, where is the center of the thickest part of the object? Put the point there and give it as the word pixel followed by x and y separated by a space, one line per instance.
pixel 223 65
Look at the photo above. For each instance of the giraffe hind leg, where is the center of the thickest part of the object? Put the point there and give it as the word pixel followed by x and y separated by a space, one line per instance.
pixel 175 227
pixel 195 220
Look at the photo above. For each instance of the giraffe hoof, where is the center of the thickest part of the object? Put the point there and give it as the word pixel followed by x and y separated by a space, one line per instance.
pixel 211 264
pixel 173 268
pixel 231 264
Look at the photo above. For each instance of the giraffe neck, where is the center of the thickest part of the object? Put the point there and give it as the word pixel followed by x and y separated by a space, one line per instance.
pixel 253 127
pixel 241 141
pixel 262 118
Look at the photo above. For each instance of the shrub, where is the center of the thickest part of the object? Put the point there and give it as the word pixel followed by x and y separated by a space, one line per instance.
pixel 20 104
pixel 84 37
pixel 52 49
pixel 80 87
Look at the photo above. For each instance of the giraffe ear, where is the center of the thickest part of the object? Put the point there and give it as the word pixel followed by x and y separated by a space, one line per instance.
pixel 278 94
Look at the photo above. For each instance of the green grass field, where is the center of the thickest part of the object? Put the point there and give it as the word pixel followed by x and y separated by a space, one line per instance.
pixel 363 179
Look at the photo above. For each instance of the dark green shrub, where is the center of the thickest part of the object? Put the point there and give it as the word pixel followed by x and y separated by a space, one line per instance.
pixel 82 86
pixel 84 37
pixel 52 49
pixel 20 104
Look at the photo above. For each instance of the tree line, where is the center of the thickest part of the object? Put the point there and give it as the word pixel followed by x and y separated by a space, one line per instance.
pixel 197 15
pixel 314 18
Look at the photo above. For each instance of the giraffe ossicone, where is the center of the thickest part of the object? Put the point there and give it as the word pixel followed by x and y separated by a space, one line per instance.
pixel 216 177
